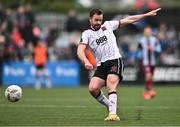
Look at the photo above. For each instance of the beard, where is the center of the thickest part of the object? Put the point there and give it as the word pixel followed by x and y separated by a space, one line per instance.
pixel 96 27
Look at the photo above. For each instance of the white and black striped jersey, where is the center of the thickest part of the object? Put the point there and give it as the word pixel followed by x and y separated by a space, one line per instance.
pixel 103 41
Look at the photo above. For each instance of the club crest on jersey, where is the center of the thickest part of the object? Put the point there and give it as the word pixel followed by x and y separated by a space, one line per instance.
pixel 103 28
pixel 101 40
pixel 114 69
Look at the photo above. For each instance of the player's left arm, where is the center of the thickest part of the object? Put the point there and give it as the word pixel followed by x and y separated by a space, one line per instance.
pixel 135 18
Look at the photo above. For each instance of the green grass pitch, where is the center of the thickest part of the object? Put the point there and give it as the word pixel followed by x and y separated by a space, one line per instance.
pixel 75 107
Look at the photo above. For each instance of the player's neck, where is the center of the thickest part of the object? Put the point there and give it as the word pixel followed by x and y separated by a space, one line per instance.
pixel 93 28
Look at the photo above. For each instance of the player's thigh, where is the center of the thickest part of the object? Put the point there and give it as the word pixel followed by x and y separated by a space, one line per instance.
pixel 96 84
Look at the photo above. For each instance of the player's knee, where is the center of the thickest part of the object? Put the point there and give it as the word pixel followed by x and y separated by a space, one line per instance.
pixel 93 89
pixel 111 79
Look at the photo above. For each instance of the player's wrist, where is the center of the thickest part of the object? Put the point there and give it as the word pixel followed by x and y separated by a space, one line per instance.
pixel 86 61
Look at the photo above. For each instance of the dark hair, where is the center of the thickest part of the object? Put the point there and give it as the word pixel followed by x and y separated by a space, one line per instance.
pixel 95 11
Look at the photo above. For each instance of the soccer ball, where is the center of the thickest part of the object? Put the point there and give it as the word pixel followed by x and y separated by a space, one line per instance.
pixel 13 93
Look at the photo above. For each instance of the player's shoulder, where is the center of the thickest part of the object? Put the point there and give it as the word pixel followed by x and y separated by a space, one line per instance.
pixel 106 23
pixel 142 39
pixel 113 24
pixel 86 32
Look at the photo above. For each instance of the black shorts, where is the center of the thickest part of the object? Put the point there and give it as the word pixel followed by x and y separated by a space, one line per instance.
pixel 40 67
pixel 110 67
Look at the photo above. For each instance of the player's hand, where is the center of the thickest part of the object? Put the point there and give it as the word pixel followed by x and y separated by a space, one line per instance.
pixel 153 12
pixel 88 66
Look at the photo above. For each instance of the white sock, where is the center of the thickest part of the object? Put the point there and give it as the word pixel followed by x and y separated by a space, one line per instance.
pixel 112 102
pixel 101 98
pixel 48 83
pixel 37 84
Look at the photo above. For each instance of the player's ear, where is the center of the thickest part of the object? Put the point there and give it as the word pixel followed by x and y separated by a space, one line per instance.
pixel 90 19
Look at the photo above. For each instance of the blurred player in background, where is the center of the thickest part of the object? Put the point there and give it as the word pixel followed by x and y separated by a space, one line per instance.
pixel 102 42
pixel 40 59
pixel 149 47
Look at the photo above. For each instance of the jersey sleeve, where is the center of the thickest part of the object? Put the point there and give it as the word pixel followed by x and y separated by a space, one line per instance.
pixel 84 38
pixel 114 24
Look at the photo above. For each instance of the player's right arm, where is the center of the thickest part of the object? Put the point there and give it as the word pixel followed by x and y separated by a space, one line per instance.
pixel 81 55
pixel 81 51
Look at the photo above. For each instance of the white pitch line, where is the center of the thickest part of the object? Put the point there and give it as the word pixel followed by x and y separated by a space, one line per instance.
pixel 50 99
pixel 41 106
pixel 89 126
pixel 55 99
pixel 82 106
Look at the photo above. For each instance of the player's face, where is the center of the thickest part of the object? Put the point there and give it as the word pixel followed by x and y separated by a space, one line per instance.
pixel 147 32
pixel 96 21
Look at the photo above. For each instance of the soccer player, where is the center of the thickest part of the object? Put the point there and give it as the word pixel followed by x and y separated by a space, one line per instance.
pixel 102 42
pixel 40 59
pixel 149 47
